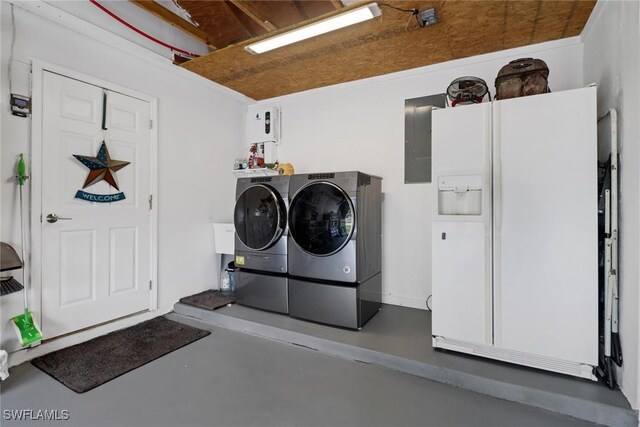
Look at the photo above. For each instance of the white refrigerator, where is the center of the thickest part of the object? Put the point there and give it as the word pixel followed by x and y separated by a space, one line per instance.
pixel 514 231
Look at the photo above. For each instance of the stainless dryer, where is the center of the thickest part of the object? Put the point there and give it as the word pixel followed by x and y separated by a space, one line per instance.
pixel 335 227
pixel 260 219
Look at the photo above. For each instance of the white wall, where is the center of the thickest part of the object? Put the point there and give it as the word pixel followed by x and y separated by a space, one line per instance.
pixel 612 60
pixel 360 126
pixel 199 127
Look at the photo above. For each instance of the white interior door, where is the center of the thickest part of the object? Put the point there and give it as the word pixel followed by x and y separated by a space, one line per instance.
pixel 96 265
pixel 546 259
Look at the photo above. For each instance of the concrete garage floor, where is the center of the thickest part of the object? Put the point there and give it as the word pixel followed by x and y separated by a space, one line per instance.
pixel 234 379
pixel 399 338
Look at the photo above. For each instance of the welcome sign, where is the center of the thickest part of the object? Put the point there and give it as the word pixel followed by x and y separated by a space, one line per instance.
pixel 101 168
pixel 100 198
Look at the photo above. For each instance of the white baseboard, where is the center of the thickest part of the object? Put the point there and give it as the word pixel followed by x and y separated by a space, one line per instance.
pixel 24 355
pixel 405 301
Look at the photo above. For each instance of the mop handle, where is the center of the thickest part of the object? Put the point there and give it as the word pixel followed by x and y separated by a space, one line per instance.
pixel 21 176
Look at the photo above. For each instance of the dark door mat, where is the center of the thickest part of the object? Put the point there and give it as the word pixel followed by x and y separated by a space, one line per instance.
pixel 209 300
pixel 90 364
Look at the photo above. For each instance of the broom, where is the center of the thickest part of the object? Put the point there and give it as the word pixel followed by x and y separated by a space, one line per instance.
pixel 24 325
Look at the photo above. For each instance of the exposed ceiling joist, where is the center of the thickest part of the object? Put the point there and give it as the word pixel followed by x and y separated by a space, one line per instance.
pixel 251 13
pixel 178 22
pixel 300 9
pixel 238 14
pixel 337 4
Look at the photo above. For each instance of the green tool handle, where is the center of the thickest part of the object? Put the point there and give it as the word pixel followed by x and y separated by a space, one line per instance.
pixel 22 170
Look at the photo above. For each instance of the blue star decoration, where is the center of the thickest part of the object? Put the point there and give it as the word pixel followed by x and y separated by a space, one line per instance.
pixel 101 167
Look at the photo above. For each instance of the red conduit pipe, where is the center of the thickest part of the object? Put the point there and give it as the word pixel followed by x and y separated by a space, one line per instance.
pixel 142 33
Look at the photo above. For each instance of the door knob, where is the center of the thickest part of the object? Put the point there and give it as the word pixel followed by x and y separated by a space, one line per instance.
pixel 51 218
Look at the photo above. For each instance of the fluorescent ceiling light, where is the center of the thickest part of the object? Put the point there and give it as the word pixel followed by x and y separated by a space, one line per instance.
pixel 342 20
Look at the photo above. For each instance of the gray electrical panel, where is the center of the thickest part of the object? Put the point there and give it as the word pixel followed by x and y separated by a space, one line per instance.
pixel 417 137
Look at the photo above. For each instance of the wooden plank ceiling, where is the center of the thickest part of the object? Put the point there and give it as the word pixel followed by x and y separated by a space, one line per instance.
pixel 392 42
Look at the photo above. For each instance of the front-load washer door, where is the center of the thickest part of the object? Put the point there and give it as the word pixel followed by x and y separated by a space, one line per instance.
pixel 321 218
pixel 260 217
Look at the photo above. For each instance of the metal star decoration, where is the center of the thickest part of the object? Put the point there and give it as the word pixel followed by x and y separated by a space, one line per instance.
pixel 102 167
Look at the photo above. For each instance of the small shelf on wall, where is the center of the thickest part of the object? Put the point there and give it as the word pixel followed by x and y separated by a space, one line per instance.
pixel 244 173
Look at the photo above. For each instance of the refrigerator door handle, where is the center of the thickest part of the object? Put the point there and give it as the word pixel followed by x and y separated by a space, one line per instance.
pixel 497 172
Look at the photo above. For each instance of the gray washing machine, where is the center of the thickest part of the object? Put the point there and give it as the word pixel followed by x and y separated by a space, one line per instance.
pixel 335 247
pixel 260 219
